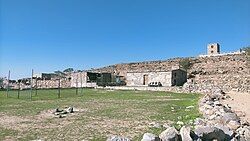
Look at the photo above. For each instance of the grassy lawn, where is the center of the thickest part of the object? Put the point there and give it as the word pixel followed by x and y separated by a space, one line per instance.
pixel 102 113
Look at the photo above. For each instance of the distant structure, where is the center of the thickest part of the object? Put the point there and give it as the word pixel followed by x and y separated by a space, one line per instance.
pixel 213 49
pixel 173 77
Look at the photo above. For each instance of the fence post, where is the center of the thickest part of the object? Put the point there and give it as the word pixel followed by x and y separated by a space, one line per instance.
pixel 31 82
pixel 81 84
pixel 59 86
pixel 8 84
pixel 76 84
pixel 18 92
pixel 36 85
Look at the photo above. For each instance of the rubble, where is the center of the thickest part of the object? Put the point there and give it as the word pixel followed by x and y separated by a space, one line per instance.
pixel 61 113
pixel 218 123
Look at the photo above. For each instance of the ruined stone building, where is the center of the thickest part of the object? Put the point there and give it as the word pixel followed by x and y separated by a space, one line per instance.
pixel 83 79
pixel 213 49
pixel 167 78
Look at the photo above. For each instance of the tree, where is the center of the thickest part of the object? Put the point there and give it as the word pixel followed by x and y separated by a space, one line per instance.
pixel 1 83
pixel 247 50
pixel 59 73
pixel 185 63
pixel 69 70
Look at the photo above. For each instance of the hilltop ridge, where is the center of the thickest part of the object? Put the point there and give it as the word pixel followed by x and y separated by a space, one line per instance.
pixel 229 72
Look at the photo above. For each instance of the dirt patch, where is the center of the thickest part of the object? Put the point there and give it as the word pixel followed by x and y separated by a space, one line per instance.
pixel 240 104
pixel 13 122
pixel 24 123
pixel 106 126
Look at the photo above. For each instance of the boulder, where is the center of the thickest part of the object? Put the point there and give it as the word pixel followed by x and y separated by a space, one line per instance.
pixel 209 133
pixel 247 133
pixel 180 123
pixel 217 103
pixel 229 133
pixel 199 121
pixel 208 106
pixel 69 110
pixel 233 124
pixel 244 122
pixel 170 134
pixel 117 138
pixel 185 134
pixel 57 110
pixel 155 125
pixel 166 125
pixel 216 95
pixel 209 112
pixel 240 131
pixel 61 116
pixel 226 117
pixel 212 117
pixel 150 137
pixel 63 112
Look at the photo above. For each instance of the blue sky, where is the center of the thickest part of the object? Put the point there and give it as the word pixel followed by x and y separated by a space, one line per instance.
pixel 49 35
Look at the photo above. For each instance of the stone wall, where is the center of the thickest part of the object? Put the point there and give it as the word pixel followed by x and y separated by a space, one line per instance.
pixel 43 84
pixel 136 78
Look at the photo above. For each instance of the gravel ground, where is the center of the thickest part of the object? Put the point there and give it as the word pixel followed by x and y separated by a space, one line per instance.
pixel 240 104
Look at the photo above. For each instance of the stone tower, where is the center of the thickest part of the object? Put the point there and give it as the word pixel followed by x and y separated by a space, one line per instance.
pixel 213 48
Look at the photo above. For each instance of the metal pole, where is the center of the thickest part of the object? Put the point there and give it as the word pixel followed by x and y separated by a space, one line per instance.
pixel 36 85
pixel 76 84
pixel 31 82
pixel 81 84
pixel 59 91
pixel 18 92
pixel 8 84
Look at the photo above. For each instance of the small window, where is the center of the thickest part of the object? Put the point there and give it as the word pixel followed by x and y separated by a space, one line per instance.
pixel 212 46
pixel 212 51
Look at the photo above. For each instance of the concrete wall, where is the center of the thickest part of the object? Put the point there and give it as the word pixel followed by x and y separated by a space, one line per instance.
pixel 179 77
pixel 136 78
pixel 79 79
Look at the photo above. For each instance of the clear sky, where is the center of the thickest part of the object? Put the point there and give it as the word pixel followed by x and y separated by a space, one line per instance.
pixel 49 35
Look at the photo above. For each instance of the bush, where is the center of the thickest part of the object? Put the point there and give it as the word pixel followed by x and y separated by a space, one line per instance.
pixel 185 63
pixel 247 50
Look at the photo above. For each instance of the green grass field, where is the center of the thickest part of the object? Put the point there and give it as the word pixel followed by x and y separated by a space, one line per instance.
pixel 102 113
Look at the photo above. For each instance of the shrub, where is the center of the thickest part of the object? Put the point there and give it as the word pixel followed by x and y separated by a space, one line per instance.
pixel 185 63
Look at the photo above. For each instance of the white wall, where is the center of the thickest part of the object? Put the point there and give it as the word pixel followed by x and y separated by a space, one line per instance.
pixel 136 79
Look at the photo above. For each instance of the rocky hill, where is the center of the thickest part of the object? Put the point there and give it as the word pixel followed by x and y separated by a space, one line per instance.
pixel 228 72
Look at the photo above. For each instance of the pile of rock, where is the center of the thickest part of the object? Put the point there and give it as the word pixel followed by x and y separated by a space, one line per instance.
pixel 219 123
pixel 221 118
pixel 61 113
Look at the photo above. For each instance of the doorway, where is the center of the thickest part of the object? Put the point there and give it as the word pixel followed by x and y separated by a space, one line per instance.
pixel 145 79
